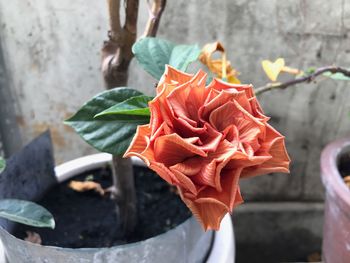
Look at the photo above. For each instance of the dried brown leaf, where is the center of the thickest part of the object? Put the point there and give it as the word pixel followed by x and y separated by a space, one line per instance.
pixel 33 237
pixel 314 257
pixel 173 189
pixel 347 180
pixel 220 67
pixel 86 186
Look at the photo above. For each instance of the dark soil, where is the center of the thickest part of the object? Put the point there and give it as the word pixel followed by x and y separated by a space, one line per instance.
pixel 89 220
pixel 344 164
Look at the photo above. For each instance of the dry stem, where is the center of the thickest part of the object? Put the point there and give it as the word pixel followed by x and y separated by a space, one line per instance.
pixel 307 79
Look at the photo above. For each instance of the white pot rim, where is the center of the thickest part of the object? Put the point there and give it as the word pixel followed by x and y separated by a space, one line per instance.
pixel 223 249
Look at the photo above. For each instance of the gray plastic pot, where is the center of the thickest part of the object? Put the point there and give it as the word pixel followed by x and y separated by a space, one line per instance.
pixel 185 243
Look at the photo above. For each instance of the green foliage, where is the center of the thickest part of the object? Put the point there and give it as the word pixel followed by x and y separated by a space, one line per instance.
pixel 310 70
pixel 108 121
pixel 26 212
pixel 2 164
pixel 136 106
pixel 336 76
pixel 110 133
pixel 154 53
pixel 183 55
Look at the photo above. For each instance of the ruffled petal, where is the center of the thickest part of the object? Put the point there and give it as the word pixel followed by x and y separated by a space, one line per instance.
pixel 211 139
pixel 275 147
pixel 190 166
pixel 140 147
pixel 231 113
pixel 172 149
pixel 184 182
pixel 140 143
pixel 210 206
pixel 172 77
pixel 208 212
pixel 214 100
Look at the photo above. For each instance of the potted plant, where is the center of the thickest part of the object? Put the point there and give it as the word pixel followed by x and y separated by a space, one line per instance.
pixel 117 55
pixel 135 105
pixel 334 169
pixel 212 148
pixel 41 177
pixel 200 135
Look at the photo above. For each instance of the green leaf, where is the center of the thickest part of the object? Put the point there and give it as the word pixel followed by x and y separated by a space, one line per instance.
pixel 183 55
pixel 154 53
pixel 310 70
pixel 108 133
pixel 336 76
pixel 2 164
pixel 26 212
pixel 133 106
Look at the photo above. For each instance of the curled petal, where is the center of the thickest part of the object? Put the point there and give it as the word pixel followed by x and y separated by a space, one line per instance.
pixel 279 161
pixel 184 182
pixel 139 147
pixel 208 213
pixel 211 206
pixel 214 100
pixel 219 85
pixel 140 144
pixel 186 100
pixel 190 166
pixel 172 77
pixel 172 149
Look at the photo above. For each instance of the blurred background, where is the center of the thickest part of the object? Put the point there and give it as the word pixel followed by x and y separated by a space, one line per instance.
pixel 50 65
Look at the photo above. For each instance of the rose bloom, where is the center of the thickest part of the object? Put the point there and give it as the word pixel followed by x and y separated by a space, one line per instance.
pixel 203 139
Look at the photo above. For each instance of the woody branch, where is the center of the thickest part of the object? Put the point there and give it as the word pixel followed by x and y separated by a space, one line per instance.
pixel 156 11
pixel 116 57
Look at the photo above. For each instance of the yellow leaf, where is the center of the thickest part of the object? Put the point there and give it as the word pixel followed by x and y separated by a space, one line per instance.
pixel 273 69
pixel 220 67
pixel 233 79
pixel 86 186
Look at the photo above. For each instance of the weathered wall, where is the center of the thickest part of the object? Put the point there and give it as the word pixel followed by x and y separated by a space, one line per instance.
pixel 52 52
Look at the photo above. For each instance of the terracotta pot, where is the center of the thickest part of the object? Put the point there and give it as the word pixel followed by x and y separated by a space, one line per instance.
pixel 336 229
pixel 185 243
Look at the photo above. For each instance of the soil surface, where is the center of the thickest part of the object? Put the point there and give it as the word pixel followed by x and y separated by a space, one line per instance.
pixel 88 219
pixel 344 164
pixel 344 167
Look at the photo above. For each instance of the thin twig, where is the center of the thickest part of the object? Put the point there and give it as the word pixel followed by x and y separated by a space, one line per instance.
pixel 307 79
pixel 156 12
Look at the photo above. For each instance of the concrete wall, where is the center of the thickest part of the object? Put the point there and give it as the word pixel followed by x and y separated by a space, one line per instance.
pixel 52 53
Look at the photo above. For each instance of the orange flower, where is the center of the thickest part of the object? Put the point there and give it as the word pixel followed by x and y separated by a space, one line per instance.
pixel 204 139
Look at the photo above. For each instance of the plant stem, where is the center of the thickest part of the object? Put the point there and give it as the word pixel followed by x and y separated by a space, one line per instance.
pixel 116 57
pixel 156 11
pixel 307 79
pixel 123 181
